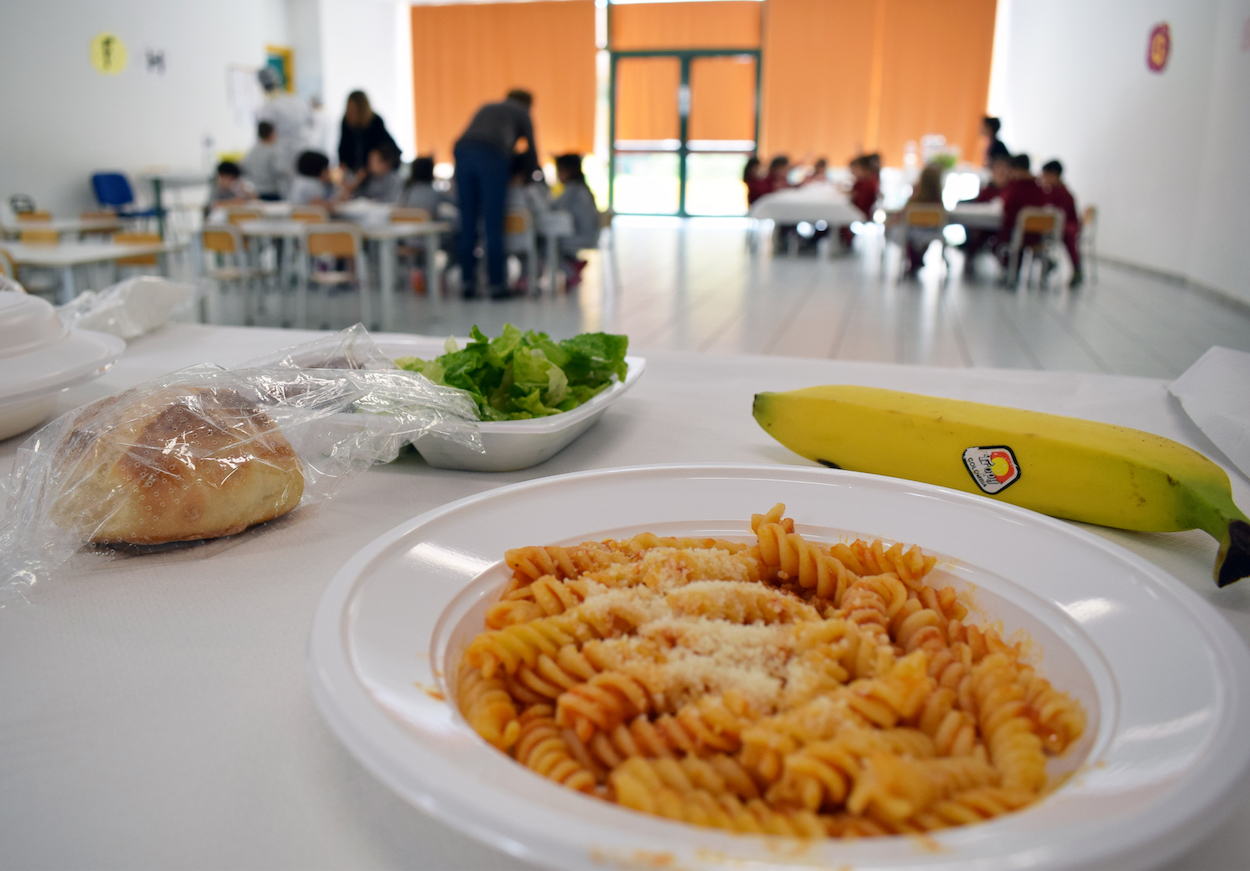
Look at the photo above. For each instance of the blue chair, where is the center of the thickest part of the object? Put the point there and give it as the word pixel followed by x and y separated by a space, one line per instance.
pixel 113 191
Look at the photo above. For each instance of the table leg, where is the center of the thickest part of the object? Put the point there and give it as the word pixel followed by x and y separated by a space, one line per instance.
pixel 553 263
pixel 366 301
pixel 67 285
pixel 433 291
pixel 160 212
pixel 387 249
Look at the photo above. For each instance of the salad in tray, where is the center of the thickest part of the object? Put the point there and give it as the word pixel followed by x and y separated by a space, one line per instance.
pixel 524 375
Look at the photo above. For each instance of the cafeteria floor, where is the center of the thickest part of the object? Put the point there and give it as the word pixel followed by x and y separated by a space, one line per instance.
pixel 694 285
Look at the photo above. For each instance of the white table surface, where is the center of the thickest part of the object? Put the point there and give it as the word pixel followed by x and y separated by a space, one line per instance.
pixel 811 203
pixel 80 253
pixel 155 711
pixel 64 225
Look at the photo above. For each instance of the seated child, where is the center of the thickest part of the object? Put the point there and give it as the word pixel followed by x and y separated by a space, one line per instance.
pixel 820 172
pixel 979 240
pixel 229 188
pixel 1058 195
pixel 579 202
pixel 522 192
pixel 266 165
pixel 419 192
pixel 1021 192
pixel 863 194
pixel 312 187
pixel 754 180
pixel 928 191
pixel 380 181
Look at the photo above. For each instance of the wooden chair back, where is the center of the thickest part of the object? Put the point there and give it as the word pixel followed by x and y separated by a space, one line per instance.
pixel 222 239
pixel 34 217
pixel 6 266
pixel 516 222
pixel 238 214
pixel 137 239
pixel 39 237
pixel 926 217
pixel 308 214
pixel 335 240
pixel 1041 224
pixel 409 215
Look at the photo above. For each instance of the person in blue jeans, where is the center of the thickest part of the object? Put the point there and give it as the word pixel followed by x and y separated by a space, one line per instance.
pixel 483 169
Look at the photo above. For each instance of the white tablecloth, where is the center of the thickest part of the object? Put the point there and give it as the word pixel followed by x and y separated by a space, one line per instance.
pixel 155 711
pixel 811 203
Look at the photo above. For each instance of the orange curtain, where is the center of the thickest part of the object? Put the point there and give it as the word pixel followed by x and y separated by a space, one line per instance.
pixel 818 61
pixel 646 98
pixel 843 76
pixel 935 73
pixel 719 24
pixel 466 55
pixel 722 98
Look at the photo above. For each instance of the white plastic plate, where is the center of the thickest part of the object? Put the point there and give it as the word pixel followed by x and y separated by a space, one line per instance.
pixel 511 444
pixel 1164 679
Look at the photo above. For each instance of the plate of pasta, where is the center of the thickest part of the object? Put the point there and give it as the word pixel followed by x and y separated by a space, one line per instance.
pixel 706 666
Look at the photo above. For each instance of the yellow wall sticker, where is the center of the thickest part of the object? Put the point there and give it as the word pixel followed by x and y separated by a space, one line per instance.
pixel 108 54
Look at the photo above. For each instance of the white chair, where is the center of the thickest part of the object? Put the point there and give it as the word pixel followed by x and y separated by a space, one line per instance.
pixel 1038 231
pixel 521 238
pixel 1089 256
pixel 324 248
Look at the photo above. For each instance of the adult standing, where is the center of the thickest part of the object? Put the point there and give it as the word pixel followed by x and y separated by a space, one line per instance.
pixel 362 131
pixel 994 146
pixel 483 169
pixel 287 114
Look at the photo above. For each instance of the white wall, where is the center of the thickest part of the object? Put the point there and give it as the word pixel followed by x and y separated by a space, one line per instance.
pixel 360 50
pixel 1220 256
pixel 63 120
pixel 1157 153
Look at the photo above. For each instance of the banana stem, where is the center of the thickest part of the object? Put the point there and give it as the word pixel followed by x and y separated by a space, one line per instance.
pixel 1233 562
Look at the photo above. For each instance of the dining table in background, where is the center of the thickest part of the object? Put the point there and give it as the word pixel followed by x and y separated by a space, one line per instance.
pixel 63 226
pixel 68 256
pixel 157 709
pixel 810 204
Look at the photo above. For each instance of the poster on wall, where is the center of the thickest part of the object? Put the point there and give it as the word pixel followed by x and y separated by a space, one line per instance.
pixel 1159 48
pixel 108 54
pixel 280 59
pixel 243 93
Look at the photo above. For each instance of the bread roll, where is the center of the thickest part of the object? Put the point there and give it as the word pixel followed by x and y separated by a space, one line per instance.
pixel 176 464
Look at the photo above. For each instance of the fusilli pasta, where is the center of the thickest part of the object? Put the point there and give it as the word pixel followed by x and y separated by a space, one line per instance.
pixel 777 685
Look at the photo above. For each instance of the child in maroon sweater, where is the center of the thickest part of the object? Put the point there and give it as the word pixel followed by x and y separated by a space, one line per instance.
pixel 863 194
pixel 1058 195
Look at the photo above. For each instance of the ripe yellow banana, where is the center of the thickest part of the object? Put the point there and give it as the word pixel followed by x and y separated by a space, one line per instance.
pixel 1062 466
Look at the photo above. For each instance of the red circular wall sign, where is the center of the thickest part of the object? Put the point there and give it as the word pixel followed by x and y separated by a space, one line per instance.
pixel 1159 48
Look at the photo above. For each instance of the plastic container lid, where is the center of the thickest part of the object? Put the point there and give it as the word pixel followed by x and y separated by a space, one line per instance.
pixel 39 355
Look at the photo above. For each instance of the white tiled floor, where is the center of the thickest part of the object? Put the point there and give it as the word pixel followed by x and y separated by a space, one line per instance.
pixel 695 286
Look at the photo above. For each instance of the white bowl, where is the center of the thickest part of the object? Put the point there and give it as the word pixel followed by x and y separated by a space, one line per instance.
pixel 511 444
pixel 39 357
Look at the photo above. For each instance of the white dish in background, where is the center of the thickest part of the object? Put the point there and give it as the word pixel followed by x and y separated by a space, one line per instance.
pixel 1164 679
pixel 39 357
pixel 510 444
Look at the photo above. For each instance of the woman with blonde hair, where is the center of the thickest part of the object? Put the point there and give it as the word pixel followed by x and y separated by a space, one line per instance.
pixel 362 131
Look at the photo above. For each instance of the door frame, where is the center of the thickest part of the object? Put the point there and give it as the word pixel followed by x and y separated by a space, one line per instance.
pixel 684 56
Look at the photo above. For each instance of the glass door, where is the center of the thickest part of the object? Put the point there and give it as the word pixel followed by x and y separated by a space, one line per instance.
pixel 682 125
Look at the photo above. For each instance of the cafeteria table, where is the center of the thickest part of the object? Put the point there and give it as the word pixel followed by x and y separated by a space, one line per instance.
pixel 155 711
pixel 386 236
pixel 63 225
pixel 67 256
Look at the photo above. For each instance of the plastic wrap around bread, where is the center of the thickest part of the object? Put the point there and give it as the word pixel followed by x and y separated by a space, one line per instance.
pixel 207 452
pixel 178 464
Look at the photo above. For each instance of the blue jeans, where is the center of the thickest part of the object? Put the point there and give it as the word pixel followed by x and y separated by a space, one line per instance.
pixel 482 184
